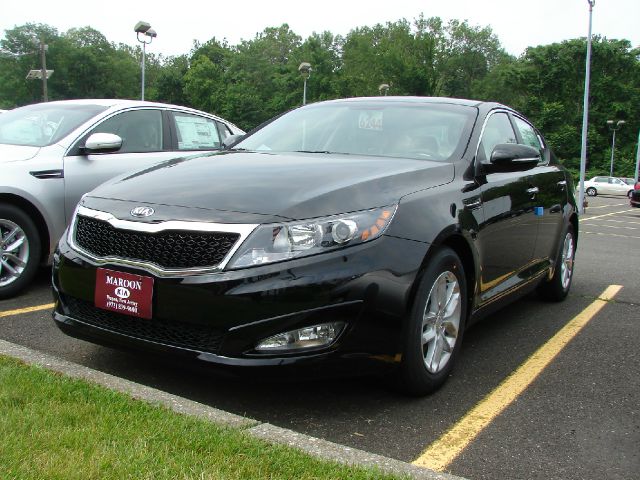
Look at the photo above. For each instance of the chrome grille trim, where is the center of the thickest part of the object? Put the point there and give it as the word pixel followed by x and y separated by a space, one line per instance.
pixel 244 230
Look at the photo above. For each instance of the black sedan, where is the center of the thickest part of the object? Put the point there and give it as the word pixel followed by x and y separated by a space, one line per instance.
pixel 634 198
pixel 372 229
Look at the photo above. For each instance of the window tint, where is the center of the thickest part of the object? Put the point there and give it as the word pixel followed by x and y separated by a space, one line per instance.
pixel 195 132
pixel 140 130
pixel 497 130
pixel 529 135
pixel 600 179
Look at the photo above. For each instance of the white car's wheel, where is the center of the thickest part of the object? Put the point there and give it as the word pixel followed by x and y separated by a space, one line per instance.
pixel 19 250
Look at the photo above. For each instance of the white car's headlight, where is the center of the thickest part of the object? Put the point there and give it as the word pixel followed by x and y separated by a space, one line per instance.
pixel 283 241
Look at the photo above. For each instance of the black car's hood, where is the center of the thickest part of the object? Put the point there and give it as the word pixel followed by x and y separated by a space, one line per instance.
pixel 273 187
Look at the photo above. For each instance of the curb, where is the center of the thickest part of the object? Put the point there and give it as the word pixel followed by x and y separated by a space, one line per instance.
pixel 316 447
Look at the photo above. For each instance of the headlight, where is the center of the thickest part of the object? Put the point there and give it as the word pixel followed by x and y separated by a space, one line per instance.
pixel 283 241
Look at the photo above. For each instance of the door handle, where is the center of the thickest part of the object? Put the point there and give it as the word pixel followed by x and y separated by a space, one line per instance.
pixel 562 184
pixel 533 190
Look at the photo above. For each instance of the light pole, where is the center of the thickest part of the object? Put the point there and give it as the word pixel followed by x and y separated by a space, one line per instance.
pixel 615 126
pixel 384 87
pixel 637 172
pixel 305 71
pixel 147 32
pixel 585 114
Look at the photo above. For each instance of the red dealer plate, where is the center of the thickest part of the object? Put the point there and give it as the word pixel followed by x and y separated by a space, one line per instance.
pixel 124 293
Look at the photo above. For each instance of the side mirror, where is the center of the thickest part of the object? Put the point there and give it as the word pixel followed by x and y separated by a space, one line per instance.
pixel 231 140
pixel 102 143
pixel 511 157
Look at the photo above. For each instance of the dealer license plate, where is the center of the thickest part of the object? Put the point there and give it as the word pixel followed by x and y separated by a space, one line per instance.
pixel 123 293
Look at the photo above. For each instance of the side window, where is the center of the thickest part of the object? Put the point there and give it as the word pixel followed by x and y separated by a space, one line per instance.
pixel 497 130
pixel 195 132
pixel 529 135
pixel 223 130
pixel 600 180
pixel 140 130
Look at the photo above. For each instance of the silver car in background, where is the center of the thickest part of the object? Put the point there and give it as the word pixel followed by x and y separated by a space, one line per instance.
pixel 52 153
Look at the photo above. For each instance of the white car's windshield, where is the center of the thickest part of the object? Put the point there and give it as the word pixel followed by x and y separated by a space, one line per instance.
pixel 425 131
pixel 43 124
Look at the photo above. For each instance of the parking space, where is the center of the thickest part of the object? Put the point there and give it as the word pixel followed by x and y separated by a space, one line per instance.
pixel 578 417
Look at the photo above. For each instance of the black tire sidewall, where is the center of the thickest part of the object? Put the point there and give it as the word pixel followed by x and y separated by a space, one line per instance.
pixel 415 379
pixel 19 217
pixel 592 192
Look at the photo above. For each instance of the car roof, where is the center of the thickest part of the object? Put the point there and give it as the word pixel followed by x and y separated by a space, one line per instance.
pixel 411 99
pixel 121 103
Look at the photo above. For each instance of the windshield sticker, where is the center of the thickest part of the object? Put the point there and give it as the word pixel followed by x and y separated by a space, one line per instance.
pixel 370 120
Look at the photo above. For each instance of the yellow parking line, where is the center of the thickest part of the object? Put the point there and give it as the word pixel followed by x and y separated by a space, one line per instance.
pixel 446 449
pixel 9 313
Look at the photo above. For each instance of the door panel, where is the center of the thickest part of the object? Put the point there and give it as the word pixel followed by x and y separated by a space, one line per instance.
pixel 552 198
pixel 548 201
pixel 507 237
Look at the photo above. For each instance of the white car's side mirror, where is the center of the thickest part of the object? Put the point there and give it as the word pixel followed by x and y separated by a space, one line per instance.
pixel 103 142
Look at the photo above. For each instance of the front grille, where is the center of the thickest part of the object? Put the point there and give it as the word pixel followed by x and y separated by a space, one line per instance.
pixel 169 249
pixel 176 334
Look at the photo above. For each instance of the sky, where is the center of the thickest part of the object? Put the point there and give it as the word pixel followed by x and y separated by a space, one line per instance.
pixel 517 23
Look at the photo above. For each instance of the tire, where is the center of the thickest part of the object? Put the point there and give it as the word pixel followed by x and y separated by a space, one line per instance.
pixel 629 193
pixel 20 250
pixel 426 364
pixel 558 287
pixel 592 192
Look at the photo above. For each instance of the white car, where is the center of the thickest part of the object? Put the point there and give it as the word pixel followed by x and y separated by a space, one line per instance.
pixel 607 186
pixel 52 153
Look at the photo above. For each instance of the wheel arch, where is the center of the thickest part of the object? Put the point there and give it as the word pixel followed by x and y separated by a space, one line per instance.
pixel 456 241
pixel 574 223
pixel 37 217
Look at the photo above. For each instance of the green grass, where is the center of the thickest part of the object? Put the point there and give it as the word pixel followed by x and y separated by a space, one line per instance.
pixel 54 427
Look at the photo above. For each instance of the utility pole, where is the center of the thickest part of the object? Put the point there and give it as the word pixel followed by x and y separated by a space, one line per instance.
pixel 43 57
pixel 585 115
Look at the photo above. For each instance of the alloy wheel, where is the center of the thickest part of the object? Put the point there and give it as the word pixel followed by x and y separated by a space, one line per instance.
pixel 14 252
pixel 441 321
pixel 566 265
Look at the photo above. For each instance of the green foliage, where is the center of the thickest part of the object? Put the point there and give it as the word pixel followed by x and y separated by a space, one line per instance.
pixel 251 82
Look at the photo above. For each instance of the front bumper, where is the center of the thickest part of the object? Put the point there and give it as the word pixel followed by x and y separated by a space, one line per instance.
pixel 219 318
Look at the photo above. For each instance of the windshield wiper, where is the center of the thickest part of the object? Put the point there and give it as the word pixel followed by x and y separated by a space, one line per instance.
pixel 317 151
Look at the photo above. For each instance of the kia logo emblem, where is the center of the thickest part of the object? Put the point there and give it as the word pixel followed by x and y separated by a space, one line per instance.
pixel 122 292
pixel 142 212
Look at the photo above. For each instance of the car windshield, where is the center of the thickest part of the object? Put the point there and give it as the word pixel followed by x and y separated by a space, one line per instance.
pixel 44 124
pixel 396 129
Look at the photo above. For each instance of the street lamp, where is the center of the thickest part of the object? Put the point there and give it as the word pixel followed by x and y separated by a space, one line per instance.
pixel 147 33
pixel 615 126
pixel 384 87
pixel 305 71
pixel 585 114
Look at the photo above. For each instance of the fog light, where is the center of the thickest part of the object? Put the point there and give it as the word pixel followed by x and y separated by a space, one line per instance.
pixel 308 337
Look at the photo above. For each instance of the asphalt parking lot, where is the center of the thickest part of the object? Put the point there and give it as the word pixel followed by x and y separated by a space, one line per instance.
pixel 578 416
